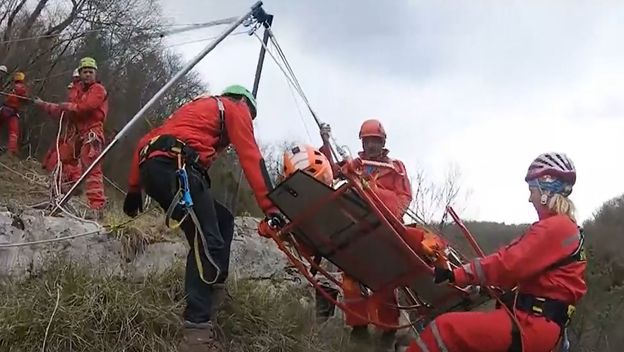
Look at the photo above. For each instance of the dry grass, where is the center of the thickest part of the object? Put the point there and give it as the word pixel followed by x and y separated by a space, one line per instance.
pixel 112 314
pixel 94 314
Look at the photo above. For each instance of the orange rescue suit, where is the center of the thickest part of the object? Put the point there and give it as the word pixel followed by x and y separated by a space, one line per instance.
pixel 391 184
pixel 531 263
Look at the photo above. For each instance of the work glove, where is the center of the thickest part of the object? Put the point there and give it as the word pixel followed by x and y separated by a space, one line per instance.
pixel 325 131
pixel 443 274
pixel 350 166
pixel 271 224
pixel 133 204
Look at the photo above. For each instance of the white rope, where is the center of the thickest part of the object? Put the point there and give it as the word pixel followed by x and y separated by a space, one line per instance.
pixel 51 240
pixel 58 299
pixel 57 173
pixel 292 79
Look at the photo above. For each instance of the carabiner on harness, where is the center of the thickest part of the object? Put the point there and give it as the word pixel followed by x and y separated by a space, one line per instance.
pixel 185 201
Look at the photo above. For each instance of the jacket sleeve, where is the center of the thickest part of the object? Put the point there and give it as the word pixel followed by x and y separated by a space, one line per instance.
pixel 403 187
pixel 52 109
pixel 93 100
pixel 544 244
pixel 239 127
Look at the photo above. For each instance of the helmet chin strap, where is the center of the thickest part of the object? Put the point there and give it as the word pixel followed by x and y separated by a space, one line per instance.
pixel 543 194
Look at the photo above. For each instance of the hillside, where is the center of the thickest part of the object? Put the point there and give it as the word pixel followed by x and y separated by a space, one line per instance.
pixel 145 313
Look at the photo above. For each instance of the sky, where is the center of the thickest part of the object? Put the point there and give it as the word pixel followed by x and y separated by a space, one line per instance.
pixel 484 86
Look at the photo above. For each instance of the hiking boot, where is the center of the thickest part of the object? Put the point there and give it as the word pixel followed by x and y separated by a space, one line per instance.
pixel 199 337
pixel 217 297
pixel 360 334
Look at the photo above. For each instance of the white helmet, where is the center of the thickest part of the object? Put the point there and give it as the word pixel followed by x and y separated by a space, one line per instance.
pixel 76 73
pixel 4 69
pixel 556 165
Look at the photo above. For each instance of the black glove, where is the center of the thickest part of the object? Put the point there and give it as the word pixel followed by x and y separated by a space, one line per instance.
pixel 275 219
pixel 442 274
pixel 133 204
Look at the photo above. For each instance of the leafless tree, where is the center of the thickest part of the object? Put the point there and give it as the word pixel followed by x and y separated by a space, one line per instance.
pixel 430 198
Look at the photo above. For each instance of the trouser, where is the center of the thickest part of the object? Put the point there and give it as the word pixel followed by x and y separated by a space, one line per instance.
pixel 90 147
pixel 383 310
pixel 159 179
pixel 486 332
pixel 71 169
pixel 11 118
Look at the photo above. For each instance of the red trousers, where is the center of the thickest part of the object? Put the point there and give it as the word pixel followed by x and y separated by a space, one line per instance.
pixel 485 332
pixel 384 310
pixel 90 147
pixel 11 118
pixel 71 169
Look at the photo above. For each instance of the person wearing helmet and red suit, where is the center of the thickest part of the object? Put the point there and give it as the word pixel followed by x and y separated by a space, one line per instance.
pixel 10 110
pixel 388 179
pixel 88 111
pixel 71 169
pixel 547 264
pixel 194 135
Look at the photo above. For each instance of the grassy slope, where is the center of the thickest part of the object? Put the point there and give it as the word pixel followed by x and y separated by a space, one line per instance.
pixel 109 314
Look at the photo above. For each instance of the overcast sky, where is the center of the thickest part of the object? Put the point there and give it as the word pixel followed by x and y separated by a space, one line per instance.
pixel 485 85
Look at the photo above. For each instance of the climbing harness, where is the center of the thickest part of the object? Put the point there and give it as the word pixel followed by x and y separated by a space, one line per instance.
pixel 184 156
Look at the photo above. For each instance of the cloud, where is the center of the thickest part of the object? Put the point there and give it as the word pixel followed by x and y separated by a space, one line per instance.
pixel 488 85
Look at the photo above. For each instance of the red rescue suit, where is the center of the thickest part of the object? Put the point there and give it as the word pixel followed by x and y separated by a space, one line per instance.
pixel 67 152
pixel 88 112
pixel 199 125
pixel 533 263
pixel 391 184
pixel 9 114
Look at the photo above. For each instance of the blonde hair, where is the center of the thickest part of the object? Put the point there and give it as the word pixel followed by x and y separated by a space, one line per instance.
pixel 561 205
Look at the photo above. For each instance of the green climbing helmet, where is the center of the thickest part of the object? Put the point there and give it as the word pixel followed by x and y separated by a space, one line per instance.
pixel 87 62
pixel 240 90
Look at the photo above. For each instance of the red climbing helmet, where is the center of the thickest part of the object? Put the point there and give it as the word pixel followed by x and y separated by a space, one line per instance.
pixel 556 165
pixel 372 128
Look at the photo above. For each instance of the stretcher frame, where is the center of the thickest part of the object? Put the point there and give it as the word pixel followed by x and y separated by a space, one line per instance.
pixel 354 196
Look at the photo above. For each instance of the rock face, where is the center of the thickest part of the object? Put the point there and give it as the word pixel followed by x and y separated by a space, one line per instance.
pixel 252 256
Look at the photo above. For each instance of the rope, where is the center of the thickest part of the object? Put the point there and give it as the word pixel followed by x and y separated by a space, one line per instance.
pixel 24 176
pixel 165 47
pixel 292 79
pixel 105 229
pixel 192 26
pixel 51 240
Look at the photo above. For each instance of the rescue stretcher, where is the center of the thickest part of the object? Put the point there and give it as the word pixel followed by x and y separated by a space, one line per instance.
pixel 353 229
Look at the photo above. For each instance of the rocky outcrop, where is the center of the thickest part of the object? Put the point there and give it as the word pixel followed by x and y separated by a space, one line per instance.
pixel 252 256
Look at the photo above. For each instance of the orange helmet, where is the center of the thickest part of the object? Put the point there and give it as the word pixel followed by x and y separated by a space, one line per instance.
pixel 372 128
pixel 307 158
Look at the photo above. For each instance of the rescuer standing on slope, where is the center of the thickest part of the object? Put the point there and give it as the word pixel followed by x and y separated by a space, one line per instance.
pixel 389 180
pixel 10 110
pixel 187 143
pixel 88 112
